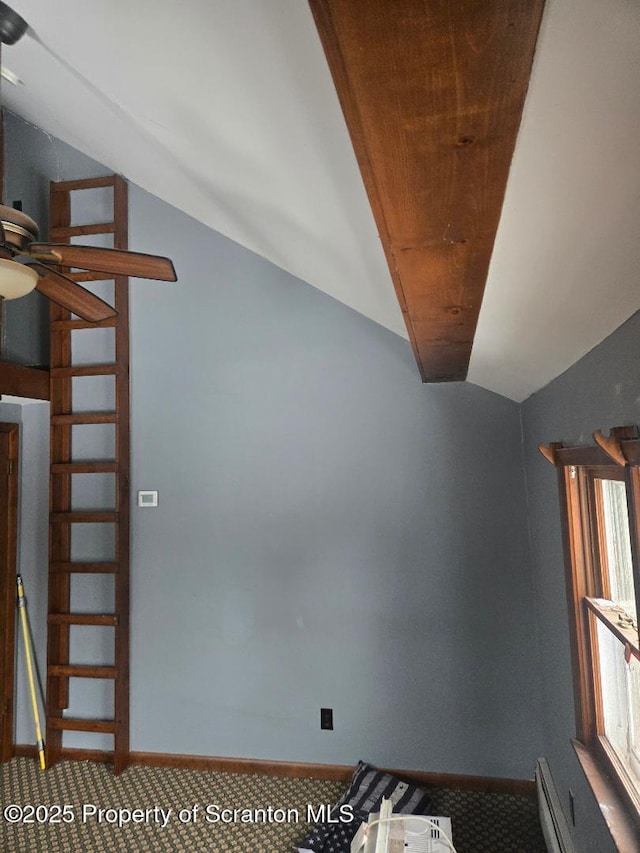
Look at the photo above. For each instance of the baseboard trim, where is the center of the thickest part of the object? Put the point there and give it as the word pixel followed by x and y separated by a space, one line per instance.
pixel 296 770
pixel 260 767
pixel 26 750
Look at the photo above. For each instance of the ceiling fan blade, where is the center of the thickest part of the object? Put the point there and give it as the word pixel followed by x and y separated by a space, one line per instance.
pixel 96 259
pixel 70 295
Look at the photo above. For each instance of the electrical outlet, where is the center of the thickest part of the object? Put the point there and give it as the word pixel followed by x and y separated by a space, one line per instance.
pixel 326 718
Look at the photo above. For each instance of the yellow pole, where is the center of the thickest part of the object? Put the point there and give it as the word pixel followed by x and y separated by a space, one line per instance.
pixel 22 607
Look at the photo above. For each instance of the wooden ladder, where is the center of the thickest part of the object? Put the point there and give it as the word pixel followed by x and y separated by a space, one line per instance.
pixel 63 517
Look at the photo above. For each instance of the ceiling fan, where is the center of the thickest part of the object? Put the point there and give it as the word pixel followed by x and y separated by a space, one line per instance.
pixel 19 238
pixel 36 268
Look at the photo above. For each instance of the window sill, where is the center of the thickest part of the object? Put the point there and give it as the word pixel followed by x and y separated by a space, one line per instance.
pixel 622 821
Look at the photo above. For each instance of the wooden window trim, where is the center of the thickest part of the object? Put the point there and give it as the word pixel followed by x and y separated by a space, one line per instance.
pixel 618 816
pixel 624 634
pixel 615 457
pixel 578 568
pixel 633 490
pixel 9 459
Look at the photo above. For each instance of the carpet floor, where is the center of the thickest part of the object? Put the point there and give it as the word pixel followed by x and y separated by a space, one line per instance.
pixel 152 810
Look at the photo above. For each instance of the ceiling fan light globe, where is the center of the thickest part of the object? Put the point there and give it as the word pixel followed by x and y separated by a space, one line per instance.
pixel 16 279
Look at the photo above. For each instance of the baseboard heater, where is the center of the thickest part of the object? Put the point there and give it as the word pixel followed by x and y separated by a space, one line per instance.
pixel 552 820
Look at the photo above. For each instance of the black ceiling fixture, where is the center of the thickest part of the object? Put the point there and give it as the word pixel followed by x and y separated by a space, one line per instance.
pixel 12 26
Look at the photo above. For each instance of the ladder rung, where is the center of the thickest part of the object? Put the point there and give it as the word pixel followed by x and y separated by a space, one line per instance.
pixel 83 517
pixel 71 671
pixel 83 184
pixel 69 724
pixel 84 370
pixel 108 619
pixel 86 418
pixel 61 234
pixel 69 325
pixel 85 568
pixel 88 467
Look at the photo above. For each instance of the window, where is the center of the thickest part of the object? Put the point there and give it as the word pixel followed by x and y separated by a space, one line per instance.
pixel 611 622
pixel 600 498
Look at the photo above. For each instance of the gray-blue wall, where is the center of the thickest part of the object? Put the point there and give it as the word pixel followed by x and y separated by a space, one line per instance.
pixel 330 531
pixel 601 391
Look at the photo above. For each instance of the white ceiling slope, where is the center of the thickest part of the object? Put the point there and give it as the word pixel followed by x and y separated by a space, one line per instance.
pixel 226 109
pixel 565 270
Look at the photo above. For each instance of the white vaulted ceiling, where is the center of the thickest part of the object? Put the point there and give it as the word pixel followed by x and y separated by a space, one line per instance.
pixel 226 109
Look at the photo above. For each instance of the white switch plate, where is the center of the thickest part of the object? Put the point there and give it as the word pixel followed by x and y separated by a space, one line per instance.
pixel 147 499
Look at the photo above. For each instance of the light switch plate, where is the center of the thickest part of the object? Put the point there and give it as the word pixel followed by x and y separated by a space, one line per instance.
pixel 147 499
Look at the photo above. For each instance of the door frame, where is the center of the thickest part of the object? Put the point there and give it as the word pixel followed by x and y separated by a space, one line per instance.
pixel 9 478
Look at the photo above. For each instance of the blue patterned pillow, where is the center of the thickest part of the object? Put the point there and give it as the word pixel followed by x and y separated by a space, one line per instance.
pixel 368 787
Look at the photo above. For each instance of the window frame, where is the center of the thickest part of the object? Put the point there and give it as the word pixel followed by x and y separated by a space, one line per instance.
pixel 617 457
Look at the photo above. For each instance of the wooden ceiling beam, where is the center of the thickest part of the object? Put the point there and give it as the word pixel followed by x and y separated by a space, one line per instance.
pixel 433 93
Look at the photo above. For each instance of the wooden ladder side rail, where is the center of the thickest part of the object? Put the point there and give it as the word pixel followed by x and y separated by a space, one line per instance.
pixel 63 467
pixel 59 501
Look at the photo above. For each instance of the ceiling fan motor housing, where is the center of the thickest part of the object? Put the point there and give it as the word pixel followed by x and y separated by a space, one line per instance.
pixel 19 229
